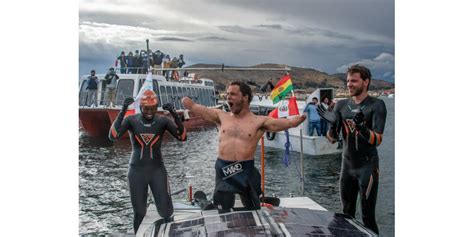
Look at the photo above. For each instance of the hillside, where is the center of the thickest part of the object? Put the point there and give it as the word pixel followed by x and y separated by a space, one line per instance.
pixel 303 78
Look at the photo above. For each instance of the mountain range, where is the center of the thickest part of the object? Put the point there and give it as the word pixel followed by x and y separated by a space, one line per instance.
pixel 303 78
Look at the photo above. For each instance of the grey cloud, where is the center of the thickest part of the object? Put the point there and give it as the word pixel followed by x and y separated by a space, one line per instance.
pixel 373 17
pixel 238 29
pixel 382 66
pixel 125 19
pixel 214 38
pixel 168 38
pixel 274 26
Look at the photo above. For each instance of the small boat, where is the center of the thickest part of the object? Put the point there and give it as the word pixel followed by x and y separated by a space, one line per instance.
pixel 96 121
pixel 299 138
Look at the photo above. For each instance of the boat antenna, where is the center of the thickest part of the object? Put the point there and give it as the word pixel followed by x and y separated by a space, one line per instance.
pixel 147 55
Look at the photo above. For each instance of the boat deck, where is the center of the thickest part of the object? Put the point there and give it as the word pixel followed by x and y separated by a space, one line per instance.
pixel 182 210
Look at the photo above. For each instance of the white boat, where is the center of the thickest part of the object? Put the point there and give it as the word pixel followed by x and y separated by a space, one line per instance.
pixel 294 216
pixel 96 121
pixel 299 138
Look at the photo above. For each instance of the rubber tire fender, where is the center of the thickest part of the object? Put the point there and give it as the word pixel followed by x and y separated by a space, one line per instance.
pixel 270 135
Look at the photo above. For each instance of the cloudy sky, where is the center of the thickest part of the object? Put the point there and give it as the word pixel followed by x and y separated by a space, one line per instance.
pixel 327 35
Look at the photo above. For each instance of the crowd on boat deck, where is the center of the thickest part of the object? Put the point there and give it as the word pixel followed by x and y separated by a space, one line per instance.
pixel 137 63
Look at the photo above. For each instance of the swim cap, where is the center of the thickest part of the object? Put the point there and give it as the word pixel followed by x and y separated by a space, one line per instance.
pixel 148 98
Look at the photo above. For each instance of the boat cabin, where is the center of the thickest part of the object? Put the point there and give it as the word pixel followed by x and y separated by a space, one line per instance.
pixel 128 85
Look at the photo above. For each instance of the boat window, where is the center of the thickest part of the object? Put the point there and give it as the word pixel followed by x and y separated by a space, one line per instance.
pixel 188 92
pixel 155 84
pixel 211 94
pixel 198 95
pixel 124 90
pixel 164 95
pixel 175 97
pixel 193 93
pixel 83 93
pixel 180 95
pixel 157 91
pixel 103 93
pixel 206 95
pixel 202 96
pixel 169 94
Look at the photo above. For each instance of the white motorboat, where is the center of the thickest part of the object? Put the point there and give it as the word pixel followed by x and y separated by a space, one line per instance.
pixel 294 216
pixel 299 138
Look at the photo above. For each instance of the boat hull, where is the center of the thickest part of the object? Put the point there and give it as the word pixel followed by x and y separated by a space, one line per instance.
pixel 97 122
pixel 312 145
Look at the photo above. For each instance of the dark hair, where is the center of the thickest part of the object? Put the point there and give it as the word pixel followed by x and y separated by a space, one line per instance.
pixel 92 70
pixel 244 88
pixel 315 98
pixel 363 71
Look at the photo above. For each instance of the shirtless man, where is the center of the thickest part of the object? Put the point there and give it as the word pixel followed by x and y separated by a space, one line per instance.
pixel 239 133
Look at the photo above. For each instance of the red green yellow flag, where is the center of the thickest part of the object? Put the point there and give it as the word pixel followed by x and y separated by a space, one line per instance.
pixel 283 87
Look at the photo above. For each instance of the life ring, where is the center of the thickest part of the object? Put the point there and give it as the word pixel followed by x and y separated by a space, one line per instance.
pixel 270 135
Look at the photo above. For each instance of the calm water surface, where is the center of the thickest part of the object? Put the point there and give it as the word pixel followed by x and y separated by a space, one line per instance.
pixel 104 200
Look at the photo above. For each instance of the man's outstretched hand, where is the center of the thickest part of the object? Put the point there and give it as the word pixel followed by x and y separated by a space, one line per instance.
pixel 327 115
pixel 169 107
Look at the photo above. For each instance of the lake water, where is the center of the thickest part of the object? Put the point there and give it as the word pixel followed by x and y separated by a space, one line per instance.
pixel 104 200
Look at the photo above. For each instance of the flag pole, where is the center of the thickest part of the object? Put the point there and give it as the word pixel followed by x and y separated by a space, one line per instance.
pixel 147 56
pixel 262 162
pixel 301 161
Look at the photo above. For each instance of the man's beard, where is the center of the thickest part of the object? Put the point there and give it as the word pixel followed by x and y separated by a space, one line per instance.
pixel 236 108
pixel 357 91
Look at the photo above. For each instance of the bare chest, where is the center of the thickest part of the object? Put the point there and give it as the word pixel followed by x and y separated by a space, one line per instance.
pixel 239 128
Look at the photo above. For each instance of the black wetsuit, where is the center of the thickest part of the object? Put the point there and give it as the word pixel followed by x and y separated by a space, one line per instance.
pixel 236 177
pixel 146 164
pixel 360 161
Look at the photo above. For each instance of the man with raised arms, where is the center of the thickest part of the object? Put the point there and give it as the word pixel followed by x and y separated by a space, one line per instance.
pixel 362 121
pixel 239 133
pixel 146 167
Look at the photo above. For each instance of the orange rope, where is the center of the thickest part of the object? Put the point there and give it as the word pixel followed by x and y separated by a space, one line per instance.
pixel 262 161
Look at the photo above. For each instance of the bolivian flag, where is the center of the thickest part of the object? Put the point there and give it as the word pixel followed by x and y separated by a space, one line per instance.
pixel 283 87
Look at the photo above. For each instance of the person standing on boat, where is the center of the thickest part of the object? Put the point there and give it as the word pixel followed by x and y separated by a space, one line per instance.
pixel 167 65
pixel 362 121
pixel 131 63
pixel 239 132
pixel 313 116
pixel 146 168
pixel 181 63
pixel 111 81
pixel 122 59
pixel 324 124
pixel 91 88
pixel 137 61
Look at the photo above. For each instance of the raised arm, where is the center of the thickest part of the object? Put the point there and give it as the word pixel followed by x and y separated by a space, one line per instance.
pixel 211 115
pixel 119 126
pixel 178 131
pixel 275 125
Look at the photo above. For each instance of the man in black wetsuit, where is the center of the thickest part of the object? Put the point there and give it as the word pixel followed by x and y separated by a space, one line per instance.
pixel 146 131
pixel 362 120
